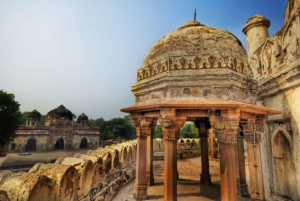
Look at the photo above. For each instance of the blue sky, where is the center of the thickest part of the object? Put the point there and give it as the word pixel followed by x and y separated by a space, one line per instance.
pixel 85 54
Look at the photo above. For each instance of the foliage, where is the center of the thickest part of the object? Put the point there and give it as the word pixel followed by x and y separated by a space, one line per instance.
pixel 10 117
pixel 188 131
pixel 52 160
pixel 157 131
pixel 96 122
pixel 24 117
pixel 117 129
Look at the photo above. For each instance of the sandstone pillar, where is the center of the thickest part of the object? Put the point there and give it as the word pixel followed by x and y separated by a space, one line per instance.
pixel 202 124
pixel 170 126
pixel 212 143
pixel 149 158
pixel 143 129
pixel 252 135
pixel 226 132
pixel 242 186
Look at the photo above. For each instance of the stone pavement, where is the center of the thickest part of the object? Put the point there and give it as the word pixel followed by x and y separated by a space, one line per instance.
pixel 188 187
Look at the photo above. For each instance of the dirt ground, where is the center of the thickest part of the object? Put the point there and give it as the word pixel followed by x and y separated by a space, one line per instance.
pixel 188 186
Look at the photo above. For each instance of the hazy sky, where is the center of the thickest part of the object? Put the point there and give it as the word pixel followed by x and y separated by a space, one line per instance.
pixel 84 54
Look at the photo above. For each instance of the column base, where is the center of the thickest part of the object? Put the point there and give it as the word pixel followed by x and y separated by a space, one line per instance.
pixel 243 190
pixel 150 179
pixel 205 179
pixel 140 192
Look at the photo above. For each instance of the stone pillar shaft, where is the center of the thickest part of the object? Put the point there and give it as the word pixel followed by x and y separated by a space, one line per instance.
pixel 205 176
pixel 241 182
pixel 149 159
pixel 228 172
pixel 253 138
pixel 212 143
pixel 255 170
pixel 140 187
pixel 227 131
pixel 170 170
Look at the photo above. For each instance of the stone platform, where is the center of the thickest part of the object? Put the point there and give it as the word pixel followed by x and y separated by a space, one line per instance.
pixel 188 186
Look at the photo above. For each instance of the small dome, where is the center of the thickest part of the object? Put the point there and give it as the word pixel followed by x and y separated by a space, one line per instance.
pixel 34 115
pixel 61 112
pixel 82 117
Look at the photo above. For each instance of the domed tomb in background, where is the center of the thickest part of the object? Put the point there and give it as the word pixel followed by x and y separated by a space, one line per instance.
pixel 195 63
pixel 60 113
pixel 33 118
pixel 82 120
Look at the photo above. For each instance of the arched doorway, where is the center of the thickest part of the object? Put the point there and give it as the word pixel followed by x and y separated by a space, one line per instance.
pixel 31 145
pixel 284 167
pixel 83 143
pixel 59 144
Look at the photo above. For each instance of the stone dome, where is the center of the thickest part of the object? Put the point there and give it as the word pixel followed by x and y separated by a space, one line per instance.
pixel 34 115
pixel 82 117
pixel 61 113
pixel 195 62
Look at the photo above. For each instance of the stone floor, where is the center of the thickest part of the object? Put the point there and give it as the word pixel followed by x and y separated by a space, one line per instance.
pixel 188 187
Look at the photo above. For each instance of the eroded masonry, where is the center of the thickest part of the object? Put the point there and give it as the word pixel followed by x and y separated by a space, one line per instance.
pixel 203 74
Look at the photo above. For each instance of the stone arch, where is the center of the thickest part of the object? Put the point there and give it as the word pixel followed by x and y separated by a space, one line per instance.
pixel 83 143
pixel 107 163
pixel 31 145
pixel 116 159
pixel 130 157
pixel 60 143
pixel 124 158
pixel 284 167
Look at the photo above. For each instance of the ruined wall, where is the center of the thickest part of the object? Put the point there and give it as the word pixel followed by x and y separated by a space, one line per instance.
pixel 96 175
pixel 186 148
pixel 277 63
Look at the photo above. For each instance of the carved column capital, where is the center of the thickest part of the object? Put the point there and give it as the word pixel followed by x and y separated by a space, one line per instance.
pixel 226 126
pixel 143 124
pixel 171 126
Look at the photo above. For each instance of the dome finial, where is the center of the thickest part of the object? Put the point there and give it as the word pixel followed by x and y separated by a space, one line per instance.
pixel 195 15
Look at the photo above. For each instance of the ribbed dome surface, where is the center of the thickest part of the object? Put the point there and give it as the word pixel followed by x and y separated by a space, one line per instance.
pixel 61 112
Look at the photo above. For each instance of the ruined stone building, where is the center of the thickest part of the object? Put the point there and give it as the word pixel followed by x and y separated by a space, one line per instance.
pixel 203 74
pixel 59 132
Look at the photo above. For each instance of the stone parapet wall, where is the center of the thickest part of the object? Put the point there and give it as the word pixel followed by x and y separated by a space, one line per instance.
pixel 186 148
pixel 96 175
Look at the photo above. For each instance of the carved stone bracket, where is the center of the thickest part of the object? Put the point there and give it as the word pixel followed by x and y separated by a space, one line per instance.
pixel 257 125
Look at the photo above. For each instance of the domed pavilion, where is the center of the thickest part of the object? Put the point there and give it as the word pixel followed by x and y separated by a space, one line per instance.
pixel 200 74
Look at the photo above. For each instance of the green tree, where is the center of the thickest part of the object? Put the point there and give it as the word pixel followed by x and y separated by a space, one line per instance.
pixel 10 117
pixel 188 131
pixel 96 122
pixel 117 129
pixel 24 117
pixel 157 131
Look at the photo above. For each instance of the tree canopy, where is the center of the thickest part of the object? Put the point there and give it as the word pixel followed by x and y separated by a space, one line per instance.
pixel 157 131
pixel 189 130
pixel 10 117
pixel 117 129
pixel 96 122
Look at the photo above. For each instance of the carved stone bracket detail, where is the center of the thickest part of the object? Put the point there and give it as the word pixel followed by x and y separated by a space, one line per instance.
pixel 228 137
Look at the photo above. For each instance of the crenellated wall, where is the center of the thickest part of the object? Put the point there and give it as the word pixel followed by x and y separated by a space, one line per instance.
pixel 96 175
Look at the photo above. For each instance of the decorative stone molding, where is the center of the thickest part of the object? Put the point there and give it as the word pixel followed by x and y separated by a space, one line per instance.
pixel 193 63
pixel 140 192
